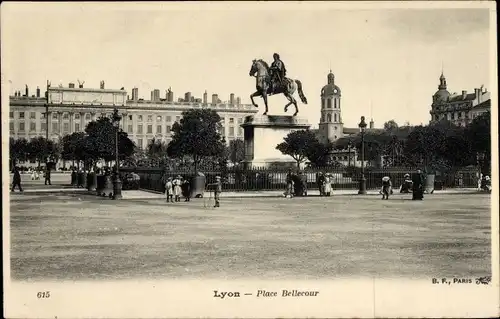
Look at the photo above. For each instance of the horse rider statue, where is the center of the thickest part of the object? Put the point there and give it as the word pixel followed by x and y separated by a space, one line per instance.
pixel 278 72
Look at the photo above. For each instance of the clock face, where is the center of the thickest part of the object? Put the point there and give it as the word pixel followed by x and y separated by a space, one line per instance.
pixel 335 91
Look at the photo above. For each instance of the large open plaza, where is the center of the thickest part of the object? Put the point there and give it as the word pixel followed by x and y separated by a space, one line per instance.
pixel 68 236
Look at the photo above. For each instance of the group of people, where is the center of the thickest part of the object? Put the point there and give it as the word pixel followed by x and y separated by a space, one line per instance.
pixel 324 183
pixel 175 187
pixel 414 185
pixel 179 186
pixel 484 183
pixel 35 175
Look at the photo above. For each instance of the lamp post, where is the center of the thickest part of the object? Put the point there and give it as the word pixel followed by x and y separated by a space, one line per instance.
pixel 117 183
pixel 480 160
pixel 47 127
pixel 349 146
pixel 362 181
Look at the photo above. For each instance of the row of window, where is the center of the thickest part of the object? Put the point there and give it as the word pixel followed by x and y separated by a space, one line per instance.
pixel 140 128
pixel 336 103
pixel 329 117
pixel 88 116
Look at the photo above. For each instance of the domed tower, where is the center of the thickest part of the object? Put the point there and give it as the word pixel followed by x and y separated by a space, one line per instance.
pixel 439 99
pixel 330 124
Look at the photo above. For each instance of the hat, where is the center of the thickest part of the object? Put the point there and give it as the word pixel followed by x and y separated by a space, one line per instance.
pixel 385 178
pixel 169 179
pixel 179 176
pixel 407 175
pixel 217 177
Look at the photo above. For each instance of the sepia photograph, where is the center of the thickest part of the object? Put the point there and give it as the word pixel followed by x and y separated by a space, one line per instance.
pixel 250 159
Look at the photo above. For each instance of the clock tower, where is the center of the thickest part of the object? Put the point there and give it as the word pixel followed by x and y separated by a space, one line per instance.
pixel 330 124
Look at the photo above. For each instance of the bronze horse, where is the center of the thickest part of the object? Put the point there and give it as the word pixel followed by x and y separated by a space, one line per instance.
pixel 260 70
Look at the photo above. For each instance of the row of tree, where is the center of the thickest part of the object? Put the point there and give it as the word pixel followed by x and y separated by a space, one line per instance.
pixel 437 146
pixel 197 142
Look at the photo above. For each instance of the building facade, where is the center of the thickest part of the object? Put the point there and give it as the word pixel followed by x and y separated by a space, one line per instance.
pixel 71 109
pixel 460 109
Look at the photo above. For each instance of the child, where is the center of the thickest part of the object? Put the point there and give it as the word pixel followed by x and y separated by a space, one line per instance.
pixel 169 190
pixel 386 187
pixel 177 188
pixel 218 190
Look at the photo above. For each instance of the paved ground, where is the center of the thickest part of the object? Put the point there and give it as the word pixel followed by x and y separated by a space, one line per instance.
pixel 77 237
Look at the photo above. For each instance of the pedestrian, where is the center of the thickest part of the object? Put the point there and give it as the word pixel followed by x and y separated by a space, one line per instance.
pixel 479 181
pixel 176 183
pixel 327 184
pixel 47 174
pixel 320 180
pixel 289 184
pixel 386 187
pixel 186 189
pixel 406 185
pixel 169 190
pixel 217 190
pixel 418 186
pixel 16 180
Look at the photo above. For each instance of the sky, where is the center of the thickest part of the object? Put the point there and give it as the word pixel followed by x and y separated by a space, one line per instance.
pixel 386 60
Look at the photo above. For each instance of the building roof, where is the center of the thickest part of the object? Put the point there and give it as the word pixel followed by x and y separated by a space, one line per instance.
pixel 459 97
pixel 484 104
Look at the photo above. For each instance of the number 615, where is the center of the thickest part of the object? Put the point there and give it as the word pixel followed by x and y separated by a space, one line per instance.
pixel 43 294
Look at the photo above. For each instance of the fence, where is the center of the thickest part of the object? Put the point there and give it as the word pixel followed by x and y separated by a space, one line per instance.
pixel 237 179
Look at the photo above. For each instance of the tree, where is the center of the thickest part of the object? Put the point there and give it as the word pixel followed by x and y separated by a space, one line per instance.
pixel 38 148
pixel 72 147
pixel 479 134
pixel 236 151
pixel 299 145
pixel 390 125
pixel 101 139
pixel 197 136
pixel 157 150
pixel 18 150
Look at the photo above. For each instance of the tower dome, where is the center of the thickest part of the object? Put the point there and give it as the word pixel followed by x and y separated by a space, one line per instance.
pixel 442 93
pixel 330 89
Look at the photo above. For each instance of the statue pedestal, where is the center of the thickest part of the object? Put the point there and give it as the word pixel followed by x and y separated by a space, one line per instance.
pixel 263 133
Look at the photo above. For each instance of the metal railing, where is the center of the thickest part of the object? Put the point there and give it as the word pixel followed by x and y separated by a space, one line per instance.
pixel 261 179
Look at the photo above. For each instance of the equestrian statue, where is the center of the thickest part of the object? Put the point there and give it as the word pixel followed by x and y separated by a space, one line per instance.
pixel 272 80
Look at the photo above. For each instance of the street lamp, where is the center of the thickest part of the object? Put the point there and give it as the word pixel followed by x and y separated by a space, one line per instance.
pixel 480 160
pixel 349 146
pixel 117 183
pixel 362 181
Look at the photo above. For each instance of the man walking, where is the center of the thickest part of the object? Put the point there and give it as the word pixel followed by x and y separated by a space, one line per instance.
pixel 16 180
pixel 47 174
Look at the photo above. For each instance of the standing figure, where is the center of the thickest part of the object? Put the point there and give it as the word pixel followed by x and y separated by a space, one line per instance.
pixel 289 184
pixel 177 188
pixel 479 181
pixel 217 191
pixel 320 180
pixel 278 72
pixel 418 185
pixel 406 185
pixel 16 179
pixel 169 192
pixel 327 184
pixel 186 189
pixel 386 187
pixel 47 174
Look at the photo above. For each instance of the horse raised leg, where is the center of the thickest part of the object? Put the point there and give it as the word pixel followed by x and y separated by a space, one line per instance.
pixel 290 99
pixel 256 93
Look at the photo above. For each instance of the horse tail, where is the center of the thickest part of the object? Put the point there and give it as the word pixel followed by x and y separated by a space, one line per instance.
pixel 301 93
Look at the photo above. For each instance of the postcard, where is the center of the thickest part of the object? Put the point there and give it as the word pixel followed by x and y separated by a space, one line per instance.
pixel 250 159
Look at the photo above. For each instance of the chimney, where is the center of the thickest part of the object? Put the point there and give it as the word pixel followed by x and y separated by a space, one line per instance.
pixel 71 85
pixel 37 91
pixel 478 95
pixel 27 91
pixel 215 98
pixel 372 124
pixel 205 97
pixel 464 94
pixel 231 99
pixel 238 100
pixel 102 85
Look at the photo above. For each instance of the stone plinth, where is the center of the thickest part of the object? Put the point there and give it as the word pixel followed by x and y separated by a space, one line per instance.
pixel 263 133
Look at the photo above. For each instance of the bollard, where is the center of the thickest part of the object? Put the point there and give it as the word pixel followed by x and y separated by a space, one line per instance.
pixel 108 186
pixel 79 179
pixel 100 185
pixel 91 181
